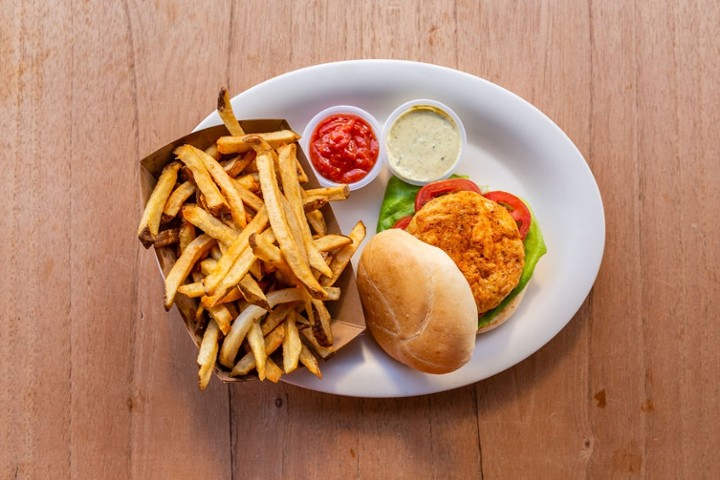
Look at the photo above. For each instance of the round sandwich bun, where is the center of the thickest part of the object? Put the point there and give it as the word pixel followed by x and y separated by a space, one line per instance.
pixel 418 305
pixel 505 314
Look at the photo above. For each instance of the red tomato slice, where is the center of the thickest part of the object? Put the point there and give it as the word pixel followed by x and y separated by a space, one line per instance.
pixel 516 207
pixel 403 222
pixel 443 187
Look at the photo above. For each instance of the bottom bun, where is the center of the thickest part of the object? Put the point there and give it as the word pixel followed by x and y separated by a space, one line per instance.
pixel 418 305
pixel 505 314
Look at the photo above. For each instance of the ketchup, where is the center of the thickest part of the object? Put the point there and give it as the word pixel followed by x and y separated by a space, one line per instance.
pixel 343 148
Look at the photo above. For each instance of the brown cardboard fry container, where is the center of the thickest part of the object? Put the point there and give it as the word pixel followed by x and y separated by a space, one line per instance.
pixel 348 319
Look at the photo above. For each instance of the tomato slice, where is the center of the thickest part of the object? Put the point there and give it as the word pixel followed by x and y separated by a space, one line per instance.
pixel 443 187
pixel 403 222
pixel 516 207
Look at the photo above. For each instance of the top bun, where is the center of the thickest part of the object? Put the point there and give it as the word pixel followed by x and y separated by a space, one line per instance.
pixel 418 305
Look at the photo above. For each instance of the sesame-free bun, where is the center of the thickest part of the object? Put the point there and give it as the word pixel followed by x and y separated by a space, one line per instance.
pixel 418 305
pixel 505 313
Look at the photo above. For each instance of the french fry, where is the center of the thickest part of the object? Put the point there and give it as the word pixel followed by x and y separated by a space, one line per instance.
pixel 200 200
pixel 292 190
pixel 237 164
pixel 286 295
pixel 257 271
pixel 237 333
pixel 192 290
pixel 208 224
pixel 222 316
pixel 321 328
pixel 224 108
pixel 272 371
pixel 314 203
pixel 276 317
pixel 271 342
pixel 310 362
pixel 208 354
pixel 252 292
pixel 150 220
pixel 234 166
pixel 324 352
pixel 328 243
pixel 216 252
pixel 338 192
pixel 307 300
pixel 258 224
pixel 233 309
pixel 263 248
pixel 232 296
pixel 317 222
pixel 333 293
pixel 166 237
pixel 208 265
pixel 292 345
pixel 176 200
pixel 257 346
pixel 271 192
pixel 294 228
pixel 190 156
pixel 184 264
pixel 241 144
pixel 185 235
pixel 302 176
pixel 227 185
pixel 196 275
pixel 252 313
pixel 201 320
pixel 244 365
pixel 213 152
pixel 248 197
pixel 342 258
pixel 251 181
pixel 238 270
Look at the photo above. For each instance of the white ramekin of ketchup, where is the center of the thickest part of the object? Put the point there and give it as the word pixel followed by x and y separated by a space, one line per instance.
pixel 343 146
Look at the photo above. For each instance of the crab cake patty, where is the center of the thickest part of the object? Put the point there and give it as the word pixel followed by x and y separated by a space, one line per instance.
pixel 480 236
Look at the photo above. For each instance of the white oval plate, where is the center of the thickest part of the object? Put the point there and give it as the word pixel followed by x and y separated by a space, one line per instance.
pixel 512 146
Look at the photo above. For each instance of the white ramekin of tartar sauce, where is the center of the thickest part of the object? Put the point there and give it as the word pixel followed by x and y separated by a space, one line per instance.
pixel 423 141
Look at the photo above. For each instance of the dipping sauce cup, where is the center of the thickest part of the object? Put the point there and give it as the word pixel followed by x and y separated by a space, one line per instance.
pixel 423 141
pixel 343 146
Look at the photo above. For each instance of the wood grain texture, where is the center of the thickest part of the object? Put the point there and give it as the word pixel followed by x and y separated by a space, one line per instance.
pixel 97 381
pixel 176 432
pixel 617 387
pixel 36 350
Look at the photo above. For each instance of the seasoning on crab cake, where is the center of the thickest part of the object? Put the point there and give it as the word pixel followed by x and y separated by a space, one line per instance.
pixel 481 237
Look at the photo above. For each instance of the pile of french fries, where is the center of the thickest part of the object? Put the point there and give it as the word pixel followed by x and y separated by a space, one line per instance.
pixel 253 248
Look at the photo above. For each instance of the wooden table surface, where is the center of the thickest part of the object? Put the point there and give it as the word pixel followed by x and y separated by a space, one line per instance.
pixel 97 381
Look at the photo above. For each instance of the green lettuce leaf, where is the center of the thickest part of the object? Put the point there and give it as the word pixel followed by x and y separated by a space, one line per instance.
pixel 398 202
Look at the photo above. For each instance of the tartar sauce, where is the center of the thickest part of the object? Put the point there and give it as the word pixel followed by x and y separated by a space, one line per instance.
pixel 423 143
